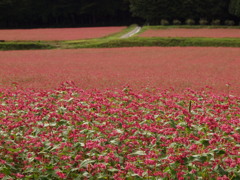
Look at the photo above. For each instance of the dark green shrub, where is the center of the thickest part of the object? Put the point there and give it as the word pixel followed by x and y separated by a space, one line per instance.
pixel 164 22
pixel 216 22
pixel 203 21
pixel 229 22
pixel 177 22
pixel 190 21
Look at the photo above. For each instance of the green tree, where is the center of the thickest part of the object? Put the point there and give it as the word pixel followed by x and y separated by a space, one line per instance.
pixel 152 10
pixel 234 7
pixel 29 13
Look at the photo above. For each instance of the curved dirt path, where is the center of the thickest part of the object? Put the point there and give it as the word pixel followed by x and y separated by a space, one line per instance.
pixel 131 33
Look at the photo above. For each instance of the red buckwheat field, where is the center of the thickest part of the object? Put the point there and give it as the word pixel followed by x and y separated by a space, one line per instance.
pixel 121 113
pixel 57 33
pixel 119 89
pixel 158 67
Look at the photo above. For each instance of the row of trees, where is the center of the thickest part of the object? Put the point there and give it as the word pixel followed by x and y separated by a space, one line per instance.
pixel 27 13
pixel 46 13
pixel 153 10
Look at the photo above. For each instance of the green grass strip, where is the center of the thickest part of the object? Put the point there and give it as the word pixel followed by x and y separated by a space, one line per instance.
pixel 129 42
pixel 109 37
pixel 191 27
pixel 15 45
pixel 158 41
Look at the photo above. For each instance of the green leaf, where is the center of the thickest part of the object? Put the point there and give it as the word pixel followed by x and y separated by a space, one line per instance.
pixel 113 170
pixel 100 176
pixel 167 169
pixel 238 130
pixel 191 176
pixel 86 131
pixel 237 176
pixel 74 169
pixel 7 178
pixel 86 162
pixel 205 142
pixel 219 152
pixel 86 174
pixel 203 158
pixel 45 177
pixel 140 153
pixel 14 150
pixel 61 122
pixel 193 158
pixel 29 170
pixel 220 170
pixel 135 175
pixel 78 144
pixel 119 131
pixel 172 123
pixel 115 142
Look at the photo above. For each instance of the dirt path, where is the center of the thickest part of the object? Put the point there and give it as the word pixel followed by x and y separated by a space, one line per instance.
pixel 131 33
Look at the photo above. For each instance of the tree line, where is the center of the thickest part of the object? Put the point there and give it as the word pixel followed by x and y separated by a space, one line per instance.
pixel 70 13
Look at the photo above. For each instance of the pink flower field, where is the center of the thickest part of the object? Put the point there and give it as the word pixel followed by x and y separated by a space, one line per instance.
pixel 180 32
pixel 120 113
pixel 70 133
pixel 160 67
pixel 57 34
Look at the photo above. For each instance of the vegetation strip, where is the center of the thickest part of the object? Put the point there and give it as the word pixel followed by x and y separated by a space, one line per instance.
pixel 158 41
pixel 129 42
pixel 180 32
pixel 191 27
pixel 11 45
pixel 115 41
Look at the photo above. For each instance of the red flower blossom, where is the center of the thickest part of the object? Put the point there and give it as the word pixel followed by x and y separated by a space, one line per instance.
pixel 61 175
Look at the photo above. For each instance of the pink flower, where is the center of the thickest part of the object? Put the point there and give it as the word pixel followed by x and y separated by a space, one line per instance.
pixel 61 175
pixel 78 157
pixel 193 147
pixel 223 178
pixel 38 158
pixel 193 171
pixel 2 161
pixel 150 162
pixel 64 157
pixel 2 175
pixel 19 175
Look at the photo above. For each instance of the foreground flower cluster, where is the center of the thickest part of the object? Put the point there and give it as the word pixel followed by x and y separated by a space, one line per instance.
pixel 68 133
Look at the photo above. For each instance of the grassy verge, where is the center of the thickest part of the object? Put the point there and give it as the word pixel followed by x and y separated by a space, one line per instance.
pixel 129 42
pixel 109 37
pixel 14 45
pixel 191 27
pixel 158 41
pixel 145 28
